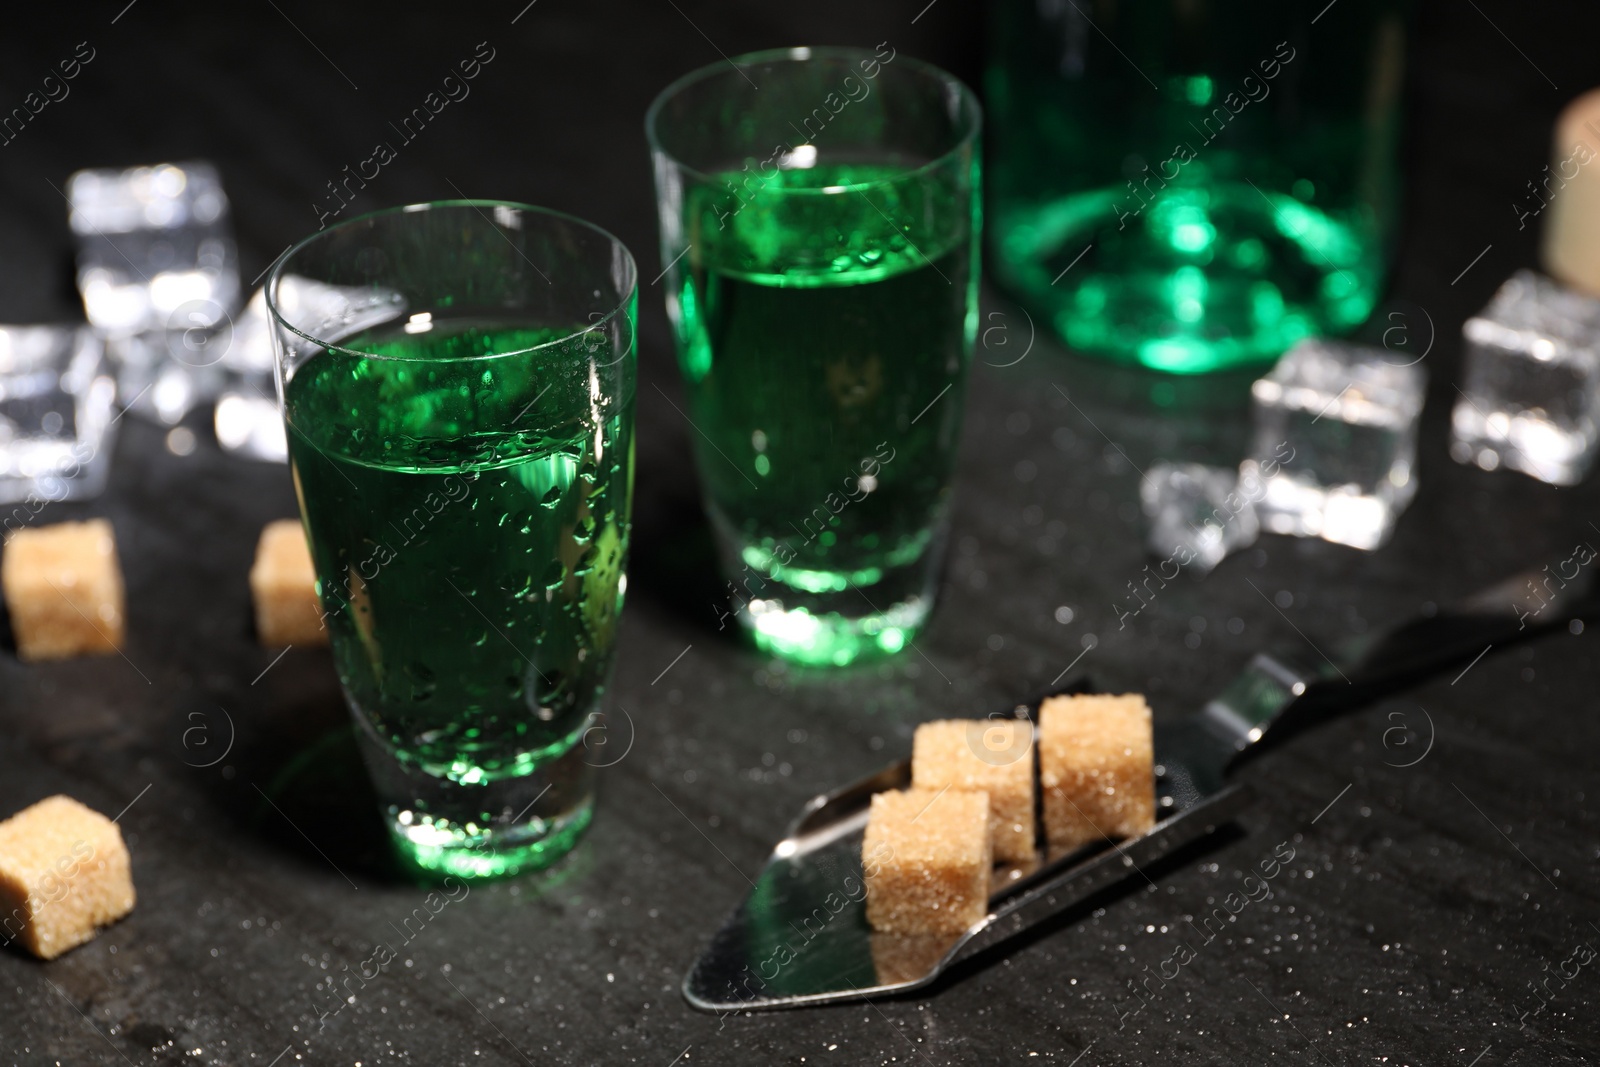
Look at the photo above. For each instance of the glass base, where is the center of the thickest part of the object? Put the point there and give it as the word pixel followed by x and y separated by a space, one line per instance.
pixel 487 829
pixel 1200 279
pixel 865 605
pixel 832 618
pixel 831 638
pixel 497 853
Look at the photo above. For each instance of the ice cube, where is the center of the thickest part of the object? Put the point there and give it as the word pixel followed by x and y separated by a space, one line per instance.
pixel 161 375
pixel 155 249
pixel 1530 396
pixel 247 420
pixel 250 424
pixel 1198 514
pixel 1336 442
pixel 56 422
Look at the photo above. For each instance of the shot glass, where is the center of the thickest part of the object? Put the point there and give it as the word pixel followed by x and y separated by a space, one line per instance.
pixel 460 426
pixel 820 217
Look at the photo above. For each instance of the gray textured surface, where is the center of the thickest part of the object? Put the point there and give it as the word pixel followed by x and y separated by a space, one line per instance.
pixel 1417 908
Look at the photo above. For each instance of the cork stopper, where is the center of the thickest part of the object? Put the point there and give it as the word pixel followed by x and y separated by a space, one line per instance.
pixel 1567 195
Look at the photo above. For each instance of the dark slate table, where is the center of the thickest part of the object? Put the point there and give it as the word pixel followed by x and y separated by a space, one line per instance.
pixel 1422 902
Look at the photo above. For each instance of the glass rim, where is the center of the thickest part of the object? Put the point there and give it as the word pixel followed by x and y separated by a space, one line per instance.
pixel 805 54
pixel 278 270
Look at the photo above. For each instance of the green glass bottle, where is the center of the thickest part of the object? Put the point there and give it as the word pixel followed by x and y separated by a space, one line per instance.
pixel 1193 185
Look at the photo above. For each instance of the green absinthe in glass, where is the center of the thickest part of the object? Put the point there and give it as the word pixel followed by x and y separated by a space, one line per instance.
pixel 476 511
pixel 825 324
pixel 1215 191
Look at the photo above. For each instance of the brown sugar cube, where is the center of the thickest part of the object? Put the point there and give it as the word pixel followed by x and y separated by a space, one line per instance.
pixel 927 859
pixel 988 755
pixel 63 873
pixel 898 958
pixel 1096 769
pixel 64 589
pixel 284 586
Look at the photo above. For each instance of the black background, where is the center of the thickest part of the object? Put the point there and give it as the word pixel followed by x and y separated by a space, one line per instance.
pixel 1417 909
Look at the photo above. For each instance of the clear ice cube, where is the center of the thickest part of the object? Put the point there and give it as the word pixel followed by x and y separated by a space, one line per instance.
pixel 162 375
pixel 56 421
pixel 159 278
pixel 247 418
pixel 250 425
pixel 155 249
pixel 1530 395
pixel 1335 442
pixel 1198 514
